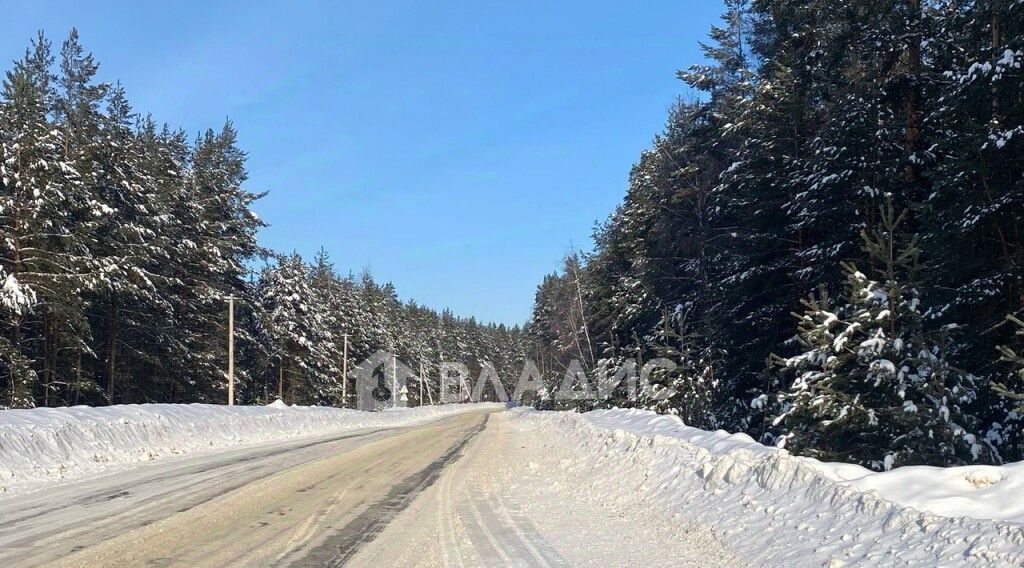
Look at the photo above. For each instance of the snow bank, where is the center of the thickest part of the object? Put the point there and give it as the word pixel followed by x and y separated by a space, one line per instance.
pixel 44 445
pixel 781 510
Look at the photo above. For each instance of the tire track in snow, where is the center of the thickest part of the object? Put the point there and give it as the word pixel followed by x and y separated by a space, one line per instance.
pixel 365 527
pixel 449 545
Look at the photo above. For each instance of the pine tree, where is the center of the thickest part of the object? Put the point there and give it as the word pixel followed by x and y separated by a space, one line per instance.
pixel 285 295
pixel 43 207
pixel 129 243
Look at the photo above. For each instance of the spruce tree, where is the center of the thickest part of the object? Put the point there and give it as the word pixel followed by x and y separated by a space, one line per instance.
pixel 693 389
pixel 874 384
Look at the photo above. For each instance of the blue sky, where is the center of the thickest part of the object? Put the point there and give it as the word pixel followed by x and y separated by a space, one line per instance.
pixel 457 149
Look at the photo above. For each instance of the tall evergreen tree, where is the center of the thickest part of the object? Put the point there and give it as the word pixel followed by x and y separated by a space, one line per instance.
pixel 875 384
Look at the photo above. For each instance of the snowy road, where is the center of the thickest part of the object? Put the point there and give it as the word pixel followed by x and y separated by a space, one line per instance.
pixel 497 506
pixel 454 492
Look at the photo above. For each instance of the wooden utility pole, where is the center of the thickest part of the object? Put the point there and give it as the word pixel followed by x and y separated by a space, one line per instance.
pixel 230 350
pixel 394 381
pixel 421 382
pixel 344 372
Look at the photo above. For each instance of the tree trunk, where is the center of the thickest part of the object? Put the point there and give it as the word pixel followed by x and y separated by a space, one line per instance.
pixel 16 272
pixel 78 374
pixel 47 347
pixel 913 88
pixel 583 317
pixel 291 390
pixel 280 381
pixel 15 386
pixel 112 351
pixel 997 43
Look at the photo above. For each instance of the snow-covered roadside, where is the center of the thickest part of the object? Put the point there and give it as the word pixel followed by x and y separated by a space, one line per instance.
pixel 776 509
pixel 42 446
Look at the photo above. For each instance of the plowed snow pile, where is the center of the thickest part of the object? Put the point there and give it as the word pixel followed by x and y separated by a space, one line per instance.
pixel 42 446
pixel 775 509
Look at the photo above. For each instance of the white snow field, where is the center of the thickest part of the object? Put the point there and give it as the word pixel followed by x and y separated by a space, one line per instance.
pixel 43 446
pixel 771 508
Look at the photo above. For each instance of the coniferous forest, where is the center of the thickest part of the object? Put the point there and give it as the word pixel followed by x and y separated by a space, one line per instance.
pixel 121 240
pixel 828 239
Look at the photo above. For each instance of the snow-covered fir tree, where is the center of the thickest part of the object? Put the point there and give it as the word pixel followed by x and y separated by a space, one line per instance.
pixel 874 384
